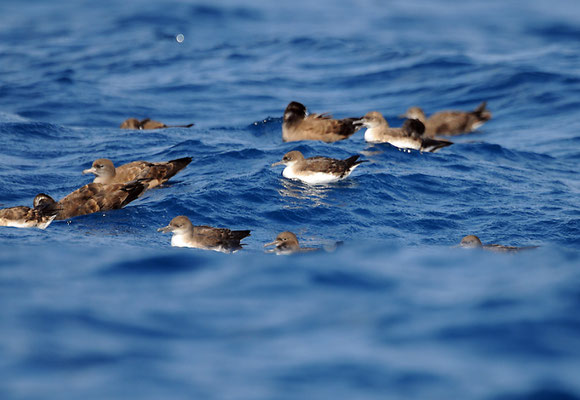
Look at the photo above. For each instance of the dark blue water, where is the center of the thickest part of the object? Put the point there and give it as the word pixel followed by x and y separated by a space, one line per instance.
pixel 102 307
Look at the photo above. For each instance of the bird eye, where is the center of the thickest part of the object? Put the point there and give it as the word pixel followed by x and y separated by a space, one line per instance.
pixel 99 166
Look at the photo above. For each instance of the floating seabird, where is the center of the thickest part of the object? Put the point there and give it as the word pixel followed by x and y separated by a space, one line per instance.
pixel 472 241
pixel 409 136
pixel 287 243
pixel 451 122
pixel 44 212
pixel 185 234
pixel 298 125
pixel 154 174
pixel 317 170
pixel 147 124
pixel 97 197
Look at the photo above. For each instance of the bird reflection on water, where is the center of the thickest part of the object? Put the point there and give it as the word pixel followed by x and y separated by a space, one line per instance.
pixel 295 191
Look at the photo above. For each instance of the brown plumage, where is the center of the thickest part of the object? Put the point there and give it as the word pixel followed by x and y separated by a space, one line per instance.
pixel 153 174
pixel 451 122
pixel 185 234
pixel 148 124
pixel 287 243
pixel 409 136
pixel 472 241
pixel 97 197
pixel 44 212
pixel 299 126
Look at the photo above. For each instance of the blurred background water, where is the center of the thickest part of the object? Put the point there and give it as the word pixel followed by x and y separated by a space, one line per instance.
pixel 102 307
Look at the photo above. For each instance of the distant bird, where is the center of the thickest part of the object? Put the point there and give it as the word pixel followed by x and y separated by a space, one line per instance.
pixel 472 241
pixel 43 213
pixel 148 124
pixel 185 234
pixel 96 197
pixel 451 122
pixel 152 174
pixel 299 125
pixel 287 243
pixel 317 170
pixel 409 136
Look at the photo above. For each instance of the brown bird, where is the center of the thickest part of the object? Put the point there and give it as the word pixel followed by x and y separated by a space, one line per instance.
pixel 152 174
pixel 185 234
pixel 297 125
pixel 451 122
pixel 317 170
pixel 409 136
pixel 287 243
pixel 44 212
pixel 472 241
pixel 96 197
pixel 148 124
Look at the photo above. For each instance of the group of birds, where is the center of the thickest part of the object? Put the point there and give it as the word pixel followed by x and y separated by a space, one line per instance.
pixel 115 187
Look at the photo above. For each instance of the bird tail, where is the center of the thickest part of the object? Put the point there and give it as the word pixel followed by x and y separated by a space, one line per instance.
pixel 353 161
pixel 134 190
pixel 481 112
pixel 239 235
pixel 180 126
pixel 433 145
pixel 177 165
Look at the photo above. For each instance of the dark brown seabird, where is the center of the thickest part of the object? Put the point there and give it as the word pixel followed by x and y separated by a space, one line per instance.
pixel 185 234
pixel 317 170
pixel 44 212
pixel 97 197
pixel 473 242
pixel 298 125
pixel 153 174
pixel 451 122
pixel 409 136
pixel 148 124
pixel 287 243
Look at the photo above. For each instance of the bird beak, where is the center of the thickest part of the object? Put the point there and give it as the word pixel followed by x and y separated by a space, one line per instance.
pixel 277 163
pixel 165 229
pixel 274 243
pixel 403 116
pixel 90 171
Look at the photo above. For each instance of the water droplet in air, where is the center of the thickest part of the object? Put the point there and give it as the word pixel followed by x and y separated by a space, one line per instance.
pixel 180 38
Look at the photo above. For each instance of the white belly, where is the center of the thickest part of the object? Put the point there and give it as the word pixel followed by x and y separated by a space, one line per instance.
pixel 372 136
pixel 27 224
pixel 316 178
pixel 405 143
pixel 179 241
pixel 182 241
pixel 15 224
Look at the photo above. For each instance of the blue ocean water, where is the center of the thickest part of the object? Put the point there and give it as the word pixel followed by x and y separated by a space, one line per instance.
pixel 101 307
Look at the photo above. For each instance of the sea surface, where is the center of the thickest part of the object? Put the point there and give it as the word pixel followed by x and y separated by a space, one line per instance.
pixel 102 307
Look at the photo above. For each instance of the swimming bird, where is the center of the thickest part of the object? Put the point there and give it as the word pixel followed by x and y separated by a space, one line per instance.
pixel 409 136
pixel 299 125
pixel 287 243
pixel 152 174
pixel 451 122
pixel 317 170
pixel 472 241
pixel 43 213
pixel 185 234
pixel 96 197
pixel 148 124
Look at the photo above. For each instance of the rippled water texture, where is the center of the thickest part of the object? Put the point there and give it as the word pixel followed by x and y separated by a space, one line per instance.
pixel 101 307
